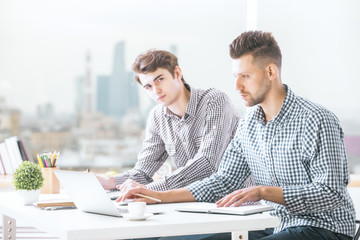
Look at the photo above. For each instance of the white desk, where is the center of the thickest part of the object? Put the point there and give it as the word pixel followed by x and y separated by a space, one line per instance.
pixel 74 224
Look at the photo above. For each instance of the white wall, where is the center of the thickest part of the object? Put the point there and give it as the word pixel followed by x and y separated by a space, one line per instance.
pixel 320 43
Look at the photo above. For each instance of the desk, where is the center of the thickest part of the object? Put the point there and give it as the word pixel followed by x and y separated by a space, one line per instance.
pixel 74 224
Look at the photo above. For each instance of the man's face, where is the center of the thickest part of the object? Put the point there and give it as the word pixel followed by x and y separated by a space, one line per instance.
pixel 251 81
pixel 162 86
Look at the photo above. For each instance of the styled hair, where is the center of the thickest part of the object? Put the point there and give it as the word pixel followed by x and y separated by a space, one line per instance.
pixel 153 59
pixel 261 45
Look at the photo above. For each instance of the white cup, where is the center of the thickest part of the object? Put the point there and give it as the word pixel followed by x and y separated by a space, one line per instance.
pixel 136 209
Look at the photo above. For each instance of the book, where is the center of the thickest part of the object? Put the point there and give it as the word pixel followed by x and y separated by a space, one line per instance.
pixel 2 169
pixel 246 209
pixel 54 203
pixel 6 159
pixel 25 154
pixel 14 151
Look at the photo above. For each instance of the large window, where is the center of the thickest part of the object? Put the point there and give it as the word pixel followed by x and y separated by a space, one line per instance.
pixel 65 66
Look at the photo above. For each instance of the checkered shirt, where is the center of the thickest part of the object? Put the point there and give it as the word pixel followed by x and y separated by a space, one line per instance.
pixel 195 142
pixel 301 150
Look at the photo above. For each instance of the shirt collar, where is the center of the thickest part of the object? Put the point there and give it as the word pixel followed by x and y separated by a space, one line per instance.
pixel 284 111
pixel 191 106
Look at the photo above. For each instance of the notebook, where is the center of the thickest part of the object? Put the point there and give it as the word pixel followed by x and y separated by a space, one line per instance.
pixel 88 194
pixel 246 209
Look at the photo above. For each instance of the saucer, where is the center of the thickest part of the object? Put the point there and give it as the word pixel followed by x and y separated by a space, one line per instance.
pixel 137 218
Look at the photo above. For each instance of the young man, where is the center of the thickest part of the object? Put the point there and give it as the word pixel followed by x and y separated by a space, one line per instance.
pixel 293 148
pixel 190 125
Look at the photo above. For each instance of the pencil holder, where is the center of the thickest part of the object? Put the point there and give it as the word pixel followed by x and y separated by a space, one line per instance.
pixel 51 184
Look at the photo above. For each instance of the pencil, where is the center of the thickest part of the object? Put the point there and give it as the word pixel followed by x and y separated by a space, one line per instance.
pixel 144 196
pixel 40 161
pixel 53 159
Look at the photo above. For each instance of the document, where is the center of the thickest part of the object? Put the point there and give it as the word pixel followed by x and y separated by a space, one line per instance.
pixel 246 209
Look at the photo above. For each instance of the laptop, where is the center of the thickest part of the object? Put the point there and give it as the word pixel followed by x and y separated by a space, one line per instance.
pixel 88 194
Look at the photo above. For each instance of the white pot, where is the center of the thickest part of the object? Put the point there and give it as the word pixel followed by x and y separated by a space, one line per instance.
pixel 29 196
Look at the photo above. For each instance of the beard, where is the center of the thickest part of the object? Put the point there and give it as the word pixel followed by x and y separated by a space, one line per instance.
pixel 259 96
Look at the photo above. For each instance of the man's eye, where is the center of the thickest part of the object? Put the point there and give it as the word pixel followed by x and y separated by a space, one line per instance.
pixel 147 87
pixel 160 79
pixel 245 76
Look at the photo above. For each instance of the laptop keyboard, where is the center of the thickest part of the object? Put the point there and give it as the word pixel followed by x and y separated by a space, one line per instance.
pixel 123 210
pixel 113 194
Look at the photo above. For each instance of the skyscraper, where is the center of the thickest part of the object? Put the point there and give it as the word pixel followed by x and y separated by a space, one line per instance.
pixel 102 93
pixel 123 93
pixel 84 89
pixel 88 86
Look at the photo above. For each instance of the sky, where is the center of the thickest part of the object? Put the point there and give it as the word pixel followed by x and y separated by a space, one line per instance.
pixel 43 45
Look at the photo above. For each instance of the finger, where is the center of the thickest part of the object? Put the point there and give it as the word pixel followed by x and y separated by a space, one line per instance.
pixel 230 199
pixel 124 196
pixel 224 200
pixel 130 193
pixel 240 201
pixel 123 187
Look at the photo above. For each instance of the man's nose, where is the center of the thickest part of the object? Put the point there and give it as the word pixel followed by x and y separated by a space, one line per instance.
pixel 156 89
pixel 239 83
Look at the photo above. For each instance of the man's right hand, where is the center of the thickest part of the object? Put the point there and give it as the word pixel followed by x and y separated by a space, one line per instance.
pixel 108 183
pixel 132 194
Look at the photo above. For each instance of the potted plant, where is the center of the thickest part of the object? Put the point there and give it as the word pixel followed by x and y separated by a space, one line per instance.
pixel 27 180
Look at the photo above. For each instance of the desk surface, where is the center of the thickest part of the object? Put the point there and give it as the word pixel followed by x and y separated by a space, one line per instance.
pixel 74 224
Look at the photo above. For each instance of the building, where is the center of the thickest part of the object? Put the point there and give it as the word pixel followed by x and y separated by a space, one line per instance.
pixel 102 93
pixel 9 120
pixel 123 94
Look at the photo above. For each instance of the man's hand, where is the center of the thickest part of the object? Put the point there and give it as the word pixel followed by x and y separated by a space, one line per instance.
pixel 128 184
pixel 108 183
pixel 132 194
pixel 252 194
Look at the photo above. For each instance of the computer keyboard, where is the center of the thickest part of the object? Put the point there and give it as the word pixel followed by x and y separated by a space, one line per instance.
pixel 123 210
pixel 113 194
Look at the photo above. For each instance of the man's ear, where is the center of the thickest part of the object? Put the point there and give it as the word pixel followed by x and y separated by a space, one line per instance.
pixel 271 71
pixel 178 73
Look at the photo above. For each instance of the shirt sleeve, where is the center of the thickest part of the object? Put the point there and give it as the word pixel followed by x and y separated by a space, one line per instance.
pixel 150 158
pixel 220 125
pixel 328 169
pixel 232 174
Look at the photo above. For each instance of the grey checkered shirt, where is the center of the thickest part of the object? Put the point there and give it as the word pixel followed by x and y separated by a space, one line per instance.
pixel 300 150
pixel 196 142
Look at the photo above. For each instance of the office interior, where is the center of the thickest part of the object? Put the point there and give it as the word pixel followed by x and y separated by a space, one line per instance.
pixel 65 67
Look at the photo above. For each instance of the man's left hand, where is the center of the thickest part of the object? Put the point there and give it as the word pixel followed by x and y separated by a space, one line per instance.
pixel 128 184
pixel 236 198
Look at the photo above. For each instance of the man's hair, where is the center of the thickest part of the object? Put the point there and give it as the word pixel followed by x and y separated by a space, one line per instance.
pixel 153 59
pixel 261 45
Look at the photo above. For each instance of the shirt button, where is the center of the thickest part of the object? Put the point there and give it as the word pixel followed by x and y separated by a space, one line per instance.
pixel 214 127
pixel 184 143
pixel 273 179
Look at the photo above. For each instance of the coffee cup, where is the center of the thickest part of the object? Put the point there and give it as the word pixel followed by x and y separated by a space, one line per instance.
pixel 136 209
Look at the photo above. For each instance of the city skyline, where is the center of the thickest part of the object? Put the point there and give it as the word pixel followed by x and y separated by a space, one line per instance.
pixel 45 47
pixel 42 51
pixel 48 48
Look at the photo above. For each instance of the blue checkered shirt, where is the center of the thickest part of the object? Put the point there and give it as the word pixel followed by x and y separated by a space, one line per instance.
pixel 301 150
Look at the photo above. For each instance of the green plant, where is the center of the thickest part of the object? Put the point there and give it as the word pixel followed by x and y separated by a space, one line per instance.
pixel 28 176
